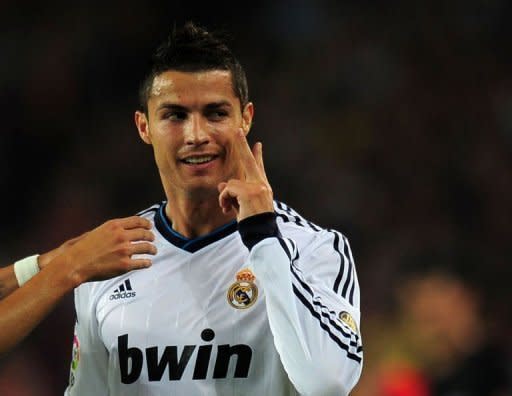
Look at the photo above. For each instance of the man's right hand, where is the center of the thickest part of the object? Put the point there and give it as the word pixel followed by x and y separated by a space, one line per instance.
pixel 106 251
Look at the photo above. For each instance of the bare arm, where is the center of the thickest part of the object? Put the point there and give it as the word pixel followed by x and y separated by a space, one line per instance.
pixel 8 282
pixel 102 253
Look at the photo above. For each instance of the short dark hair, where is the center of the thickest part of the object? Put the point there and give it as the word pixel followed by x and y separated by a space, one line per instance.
pixel 194 49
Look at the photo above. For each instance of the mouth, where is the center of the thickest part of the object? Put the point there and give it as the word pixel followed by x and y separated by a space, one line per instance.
pixel 199 159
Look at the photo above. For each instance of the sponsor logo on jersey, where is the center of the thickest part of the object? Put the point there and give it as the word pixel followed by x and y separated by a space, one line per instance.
pixel 76 353
pixel 75 359
pixel 243 293
pixel 176 359
pixel 123 291
pixel 346 318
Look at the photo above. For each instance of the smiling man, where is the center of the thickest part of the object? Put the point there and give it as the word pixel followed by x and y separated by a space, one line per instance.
pixel 245 296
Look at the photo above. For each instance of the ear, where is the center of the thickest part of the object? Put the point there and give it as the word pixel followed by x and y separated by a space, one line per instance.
pixel 247 116
pixel 143 126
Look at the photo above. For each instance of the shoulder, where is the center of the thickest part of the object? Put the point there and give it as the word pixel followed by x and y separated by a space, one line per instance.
pixel 91 291
pixel 149 213
pixel 306 233
pixel 290 220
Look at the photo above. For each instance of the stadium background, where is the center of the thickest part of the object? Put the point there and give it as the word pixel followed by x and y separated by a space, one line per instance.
pixel 390 122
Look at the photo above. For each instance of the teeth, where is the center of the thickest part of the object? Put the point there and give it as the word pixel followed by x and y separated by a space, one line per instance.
pixel 198 160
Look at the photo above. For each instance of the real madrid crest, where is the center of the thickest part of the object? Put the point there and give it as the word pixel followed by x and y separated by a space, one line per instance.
pixel 243 293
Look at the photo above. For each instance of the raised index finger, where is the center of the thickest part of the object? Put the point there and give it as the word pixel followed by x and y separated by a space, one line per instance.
pixel 258 155
pixel 247 160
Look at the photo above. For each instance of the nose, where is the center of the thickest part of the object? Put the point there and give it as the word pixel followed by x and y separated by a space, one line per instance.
pixel 196 132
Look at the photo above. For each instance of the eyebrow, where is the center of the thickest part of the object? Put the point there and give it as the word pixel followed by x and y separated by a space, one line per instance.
pixel 177 107
pixel 215 105
pixel 171 106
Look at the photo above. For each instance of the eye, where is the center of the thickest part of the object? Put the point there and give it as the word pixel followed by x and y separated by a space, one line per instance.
pixel 175 115
pixel 217 114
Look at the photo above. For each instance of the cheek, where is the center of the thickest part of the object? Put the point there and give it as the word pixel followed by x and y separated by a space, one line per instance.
pixel 165 154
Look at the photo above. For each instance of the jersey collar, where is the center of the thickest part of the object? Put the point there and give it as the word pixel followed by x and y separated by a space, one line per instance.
pixel 164 226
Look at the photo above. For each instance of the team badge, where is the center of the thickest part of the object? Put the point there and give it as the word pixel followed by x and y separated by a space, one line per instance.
pixel 243 293
pixel 345 317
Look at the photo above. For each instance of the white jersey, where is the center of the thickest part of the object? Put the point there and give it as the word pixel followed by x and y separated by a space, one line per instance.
pixel 229 313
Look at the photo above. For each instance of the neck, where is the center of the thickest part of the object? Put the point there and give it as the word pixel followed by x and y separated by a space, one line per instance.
pixel 194 217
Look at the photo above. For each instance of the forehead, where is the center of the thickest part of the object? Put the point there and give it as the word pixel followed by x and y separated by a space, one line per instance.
pixel 188 88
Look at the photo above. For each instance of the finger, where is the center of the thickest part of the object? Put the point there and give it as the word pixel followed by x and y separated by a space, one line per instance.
pixel 225 201
pixel 140 234
pixel 224 205
pixel 139 264
pixel 233 188
pixel 142 248
pixel 135 222
pixel 258 155
pixel 221 186
pixel 246 158
pixel 228 196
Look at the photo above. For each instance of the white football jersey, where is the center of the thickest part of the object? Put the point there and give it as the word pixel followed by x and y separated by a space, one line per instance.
pixel 211 317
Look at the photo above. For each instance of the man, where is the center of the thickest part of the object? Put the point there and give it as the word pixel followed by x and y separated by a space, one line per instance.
pixel 245 297
pixel 99 254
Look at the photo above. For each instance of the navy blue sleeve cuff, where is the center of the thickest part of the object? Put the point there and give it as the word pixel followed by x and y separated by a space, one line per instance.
pixel 258 227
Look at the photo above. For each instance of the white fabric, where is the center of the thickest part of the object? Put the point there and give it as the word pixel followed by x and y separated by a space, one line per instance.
pixel 26 268
pixel 297 343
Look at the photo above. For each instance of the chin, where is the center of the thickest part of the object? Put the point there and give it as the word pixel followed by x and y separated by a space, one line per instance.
pixel 203 191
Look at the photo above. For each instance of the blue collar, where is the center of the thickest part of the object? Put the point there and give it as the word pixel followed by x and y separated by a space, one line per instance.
pixel 164 226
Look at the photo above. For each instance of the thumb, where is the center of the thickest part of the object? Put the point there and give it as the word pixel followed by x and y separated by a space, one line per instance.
pixel 221 186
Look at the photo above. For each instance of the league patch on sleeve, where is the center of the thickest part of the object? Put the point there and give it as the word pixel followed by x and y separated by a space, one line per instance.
pixel 75 359
pixel 348 320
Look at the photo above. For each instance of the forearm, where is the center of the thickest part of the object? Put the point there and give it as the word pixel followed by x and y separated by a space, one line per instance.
pixel 25 307
pixel 8 282
pixel 319 355
pixel 8 279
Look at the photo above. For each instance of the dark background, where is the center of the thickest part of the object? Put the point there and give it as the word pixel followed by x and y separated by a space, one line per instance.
pixel 389 121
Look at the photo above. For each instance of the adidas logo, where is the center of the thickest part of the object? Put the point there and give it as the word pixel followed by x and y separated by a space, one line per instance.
pixel 123 291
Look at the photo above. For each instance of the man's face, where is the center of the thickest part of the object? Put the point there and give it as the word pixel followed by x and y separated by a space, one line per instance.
pixel 192 122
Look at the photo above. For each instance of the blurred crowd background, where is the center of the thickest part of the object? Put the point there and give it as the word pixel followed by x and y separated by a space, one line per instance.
pixel 389 121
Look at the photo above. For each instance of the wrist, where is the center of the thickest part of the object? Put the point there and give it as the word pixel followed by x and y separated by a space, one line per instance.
pixel 26 268
pixel 67 264
pixel 255 228
pixel 64 266
pixel 46 258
